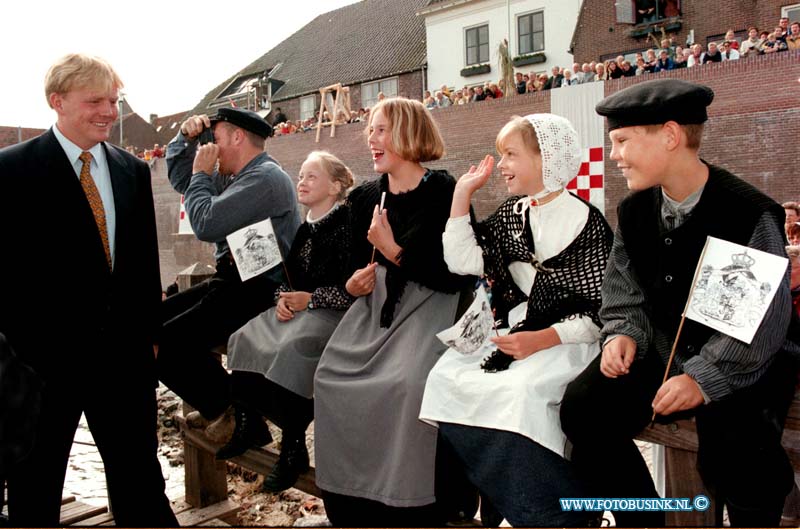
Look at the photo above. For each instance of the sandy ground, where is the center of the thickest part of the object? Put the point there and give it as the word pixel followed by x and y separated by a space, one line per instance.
pixel 86 480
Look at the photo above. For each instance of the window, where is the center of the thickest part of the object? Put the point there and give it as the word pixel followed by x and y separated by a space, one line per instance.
pixel 369 91
pixel 308 106
pixel 792 12
pixel 241 85
pixel 530 29
pixel 477 45
pixel 646 11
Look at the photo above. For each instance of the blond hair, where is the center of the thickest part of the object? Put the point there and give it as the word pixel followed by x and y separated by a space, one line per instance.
pixel 793 252
pixel 77 70
pixel 415 135
pixel 336 169
pixel 521 126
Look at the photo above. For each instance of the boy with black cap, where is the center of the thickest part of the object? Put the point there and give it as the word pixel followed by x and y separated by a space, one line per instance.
pixel 228 183
pixel 739 393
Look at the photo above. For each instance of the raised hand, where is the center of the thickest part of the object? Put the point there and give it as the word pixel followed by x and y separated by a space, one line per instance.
pixel 470 182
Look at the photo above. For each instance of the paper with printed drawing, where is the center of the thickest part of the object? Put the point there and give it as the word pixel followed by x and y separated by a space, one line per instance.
pixel 472 331
pixel 255 249
pixel 733 287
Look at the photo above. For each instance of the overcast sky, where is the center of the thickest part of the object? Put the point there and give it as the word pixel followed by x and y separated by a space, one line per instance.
pixel 169 53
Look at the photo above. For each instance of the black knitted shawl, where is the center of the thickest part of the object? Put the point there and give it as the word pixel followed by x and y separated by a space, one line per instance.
pixel 319 261
pixel 417 218
pixel 567 285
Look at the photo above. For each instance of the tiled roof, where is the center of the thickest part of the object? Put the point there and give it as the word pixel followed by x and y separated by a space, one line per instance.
pixel 136 131
pixel 371 39
pixel 167 126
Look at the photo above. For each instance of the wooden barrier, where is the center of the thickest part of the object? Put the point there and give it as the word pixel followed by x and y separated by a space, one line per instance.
pixel 682 479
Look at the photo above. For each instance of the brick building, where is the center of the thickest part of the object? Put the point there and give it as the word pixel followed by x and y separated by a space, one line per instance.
pixel 606 29
pixel 371 46
pixel 749 131
pixel 12 135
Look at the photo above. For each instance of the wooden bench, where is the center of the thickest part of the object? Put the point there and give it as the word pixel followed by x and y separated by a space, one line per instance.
pixel 682 480
pixel 206 478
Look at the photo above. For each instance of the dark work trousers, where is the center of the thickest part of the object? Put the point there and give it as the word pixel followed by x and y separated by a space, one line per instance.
pixel 521 478
pixel 740 456
pixel 199 319
pixel 456 501
pixel 121 412
pixel 291 412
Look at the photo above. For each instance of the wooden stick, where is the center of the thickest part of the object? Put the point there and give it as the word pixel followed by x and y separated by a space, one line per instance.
pixel 286 271
pixel 380 212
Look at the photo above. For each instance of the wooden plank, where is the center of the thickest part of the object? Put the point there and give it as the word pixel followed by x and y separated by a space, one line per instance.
pixel 104 519
pixel 680 434
pixel 77 511
pixel 683 481
pixel 64 499
pixel 216 522
pixel 259 460
pixel 197 516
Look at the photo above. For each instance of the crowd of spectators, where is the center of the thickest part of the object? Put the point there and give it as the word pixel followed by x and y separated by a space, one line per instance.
pixel 288 126
pixel 147 154
pixel 666 54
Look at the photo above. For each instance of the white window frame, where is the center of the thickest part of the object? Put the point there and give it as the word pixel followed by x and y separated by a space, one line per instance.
pixel 785 12
pixel 529 13
pixel 388 86
pixel 488 40
pixel 305 113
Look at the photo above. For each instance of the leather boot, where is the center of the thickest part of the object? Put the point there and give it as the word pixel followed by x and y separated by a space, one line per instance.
pixel 249 432
pixel 292 462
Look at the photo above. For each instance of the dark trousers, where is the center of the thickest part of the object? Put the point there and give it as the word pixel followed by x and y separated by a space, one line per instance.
pixel 291 412
pixel 199 319
pixel 521 478
pixel 740 456
pixel 121 414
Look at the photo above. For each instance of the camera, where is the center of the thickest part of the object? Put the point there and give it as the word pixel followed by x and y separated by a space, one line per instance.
pixel 207 136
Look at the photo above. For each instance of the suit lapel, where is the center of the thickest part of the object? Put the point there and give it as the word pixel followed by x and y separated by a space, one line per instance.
pixel 121 184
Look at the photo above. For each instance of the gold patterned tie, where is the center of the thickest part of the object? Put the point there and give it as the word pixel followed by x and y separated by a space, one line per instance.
pixel 95 202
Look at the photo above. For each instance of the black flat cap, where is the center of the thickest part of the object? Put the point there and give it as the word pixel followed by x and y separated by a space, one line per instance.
pixel 656 102
pixel 245 119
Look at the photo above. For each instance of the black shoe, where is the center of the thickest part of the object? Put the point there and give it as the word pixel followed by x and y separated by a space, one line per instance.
pixel 292 462
pixel 250 431
pixel 490 517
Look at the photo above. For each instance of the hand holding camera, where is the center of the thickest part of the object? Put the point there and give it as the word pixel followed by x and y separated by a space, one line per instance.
pixel 192 127
pixel 206 158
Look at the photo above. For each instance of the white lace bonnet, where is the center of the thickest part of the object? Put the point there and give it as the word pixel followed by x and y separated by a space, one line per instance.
pixel 560 147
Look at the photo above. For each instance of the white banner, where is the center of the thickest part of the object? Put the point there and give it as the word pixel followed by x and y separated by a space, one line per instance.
pixel 184 226
pixel 576 103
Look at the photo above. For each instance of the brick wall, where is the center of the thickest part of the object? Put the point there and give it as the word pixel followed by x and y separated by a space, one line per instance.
pixel 10 135
pixel 597 33
pixel 752 131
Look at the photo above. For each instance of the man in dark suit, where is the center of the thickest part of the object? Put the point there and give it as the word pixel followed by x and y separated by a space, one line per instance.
pixel 80 298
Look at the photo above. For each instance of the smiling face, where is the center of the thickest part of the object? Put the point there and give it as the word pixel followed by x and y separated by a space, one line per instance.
pixel 640 156
pixel 520 166
pixel 86 115
pixel 384 157
pixel 315 186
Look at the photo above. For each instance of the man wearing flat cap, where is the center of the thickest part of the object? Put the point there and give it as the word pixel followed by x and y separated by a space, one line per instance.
pixel 739 393
pixel 227 184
